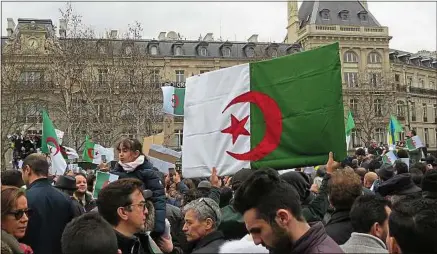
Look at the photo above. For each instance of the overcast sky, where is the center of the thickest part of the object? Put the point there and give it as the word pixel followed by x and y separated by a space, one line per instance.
pixel 412 24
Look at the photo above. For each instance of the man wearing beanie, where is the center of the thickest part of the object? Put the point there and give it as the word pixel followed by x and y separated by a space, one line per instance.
pixel 232 224
pixel 429 184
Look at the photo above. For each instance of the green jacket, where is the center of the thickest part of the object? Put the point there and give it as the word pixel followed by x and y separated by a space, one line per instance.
pixel 316 209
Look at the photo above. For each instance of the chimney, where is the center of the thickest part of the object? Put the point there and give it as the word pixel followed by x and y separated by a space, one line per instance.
pixel 62 28
pixel 253 38
pixel 161 36
pixel 208 37
pixel 113 34
pixel 11 27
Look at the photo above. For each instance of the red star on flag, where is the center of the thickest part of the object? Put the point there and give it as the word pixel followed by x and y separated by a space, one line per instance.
pixel 237 128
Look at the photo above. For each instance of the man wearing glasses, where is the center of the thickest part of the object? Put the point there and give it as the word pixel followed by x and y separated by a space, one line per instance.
pixel 123 204
pixel 202 218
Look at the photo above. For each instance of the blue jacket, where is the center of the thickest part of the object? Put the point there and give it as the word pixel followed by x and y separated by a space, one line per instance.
pixel 151 181
pixel 52 210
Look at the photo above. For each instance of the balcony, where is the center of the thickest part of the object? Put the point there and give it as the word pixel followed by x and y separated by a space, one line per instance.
pixel 401 118
pixel 33 85
pixel 343 30
pixel 418 90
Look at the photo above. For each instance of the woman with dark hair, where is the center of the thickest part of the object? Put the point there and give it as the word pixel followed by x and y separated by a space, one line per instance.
pixel 132 163
pixel 82 195
pixel 14 218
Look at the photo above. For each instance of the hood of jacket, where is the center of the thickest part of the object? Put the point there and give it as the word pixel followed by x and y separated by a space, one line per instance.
pixel 301 182
pixel 11 242
pixel 245 245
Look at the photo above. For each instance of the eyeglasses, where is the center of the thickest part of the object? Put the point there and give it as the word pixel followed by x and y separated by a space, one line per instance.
pixel 19 213
pixel 141 205
pixel 210 207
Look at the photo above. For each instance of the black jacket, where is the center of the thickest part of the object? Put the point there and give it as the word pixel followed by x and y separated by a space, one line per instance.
pixel 315 240
pixel 209 244
pixel 52 210
pixel 339 227
pixel 151 181
pixel 137 244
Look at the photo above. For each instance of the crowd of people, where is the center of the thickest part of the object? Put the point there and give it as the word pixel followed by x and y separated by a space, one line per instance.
pixel 357 205
pixel 22 146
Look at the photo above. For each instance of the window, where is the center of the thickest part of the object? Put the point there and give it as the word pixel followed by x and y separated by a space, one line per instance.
pixel 353 106
pixel 325 14
pixel 350 78
pixel 435 114
pixel 154 78
pixel 422 82
pixel 400 112
pixel 274 53
pixel 350 57
pixel 410 81
pixel 374 78
pixel 226 52
pixel 30 112
pixel 179 136
pixel 180 76
pixel 413 111
pixel 130 74
pixel 154 50
pixel 425 112
pixel 103 76
pixel 250 52
pixel 344 15
pixel 356 138
pixel 203 51
pixel 374 58
pixel 203 71
pixel 377 105
pixel 32 77
pixel 379 135
pixel 426 134
pixel 363 16
pixel 397 77
pixel 178 51
pixel 431 85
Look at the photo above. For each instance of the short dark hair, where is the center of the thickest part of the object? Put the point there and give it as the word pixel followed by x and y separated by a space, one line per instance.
pixel 417 176
pixel 374 165
pixel 90 182
pixel 38 164
pixel 421 166
pixel 191 195
pixel 12 177
pixel 402 153
pixel 413 223
pixel 89 234
pixel 360 151
pixel 401 167
pixel 115 195
pixel 131 144
pixel 265 191
pixel 344 187
pixel 413 132
pixel 367 210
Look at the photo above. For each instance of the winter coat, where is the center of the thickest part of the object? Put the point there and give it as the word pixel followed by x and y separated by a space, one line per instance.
pixel 315 209
pixel 315 240
pixel 245 245
pixel 232 223
pixel 209 244
pixel 151 181
pixel 52 210
pixel 11 245
pixel 88 203
pixel 175 217
pixel 339 227
pixel 137 244
pixel 364 243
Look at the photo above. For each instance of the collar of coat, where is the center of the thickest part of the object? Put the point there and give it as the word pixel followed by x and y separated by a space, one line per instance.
pixel 211 237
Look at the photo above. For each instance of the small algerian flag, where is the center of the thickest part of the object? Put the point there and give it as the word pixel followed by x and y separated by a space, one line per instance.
pixel 50 145
pixel 389 157
pixel 414 143
pixel 95 153
pixel 350 125
pixel 173 99
pixel 69 153
pixel 281 113
pixel 88 151
pixel 103 179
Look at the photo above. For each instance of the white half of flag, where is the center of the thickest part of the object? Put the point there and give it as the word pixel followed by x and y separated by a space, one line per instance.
pixel 59 135
pixel 71 153
pixel 100 151
pixel 163 158
pixel 57 162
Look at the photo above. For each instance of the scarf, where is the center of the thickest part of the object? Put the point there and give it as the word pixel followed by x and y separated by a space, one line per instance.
pixel 131 166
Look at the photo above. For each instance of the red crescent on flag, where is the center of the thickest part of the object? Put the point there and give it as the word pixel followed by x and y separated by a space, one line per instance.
pixel 90 152
pixel 54 142
pixel 174 100
pixel 273 119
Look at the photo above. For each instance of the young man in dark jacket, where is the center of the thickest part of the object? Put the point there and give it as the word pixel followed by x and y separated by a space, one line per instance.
pixel 273 215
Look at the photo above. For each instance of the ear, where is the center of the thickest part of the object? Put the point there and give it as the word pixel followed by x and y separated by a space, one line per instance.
pixel 137 153
pixel 209 223
pixel 376 230
pixel 122 213
pixel 283 217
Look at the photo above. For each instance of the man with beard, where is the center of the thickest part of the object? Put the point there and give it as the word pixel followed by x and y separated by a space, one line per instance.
pixel 273 216
pixel 369 218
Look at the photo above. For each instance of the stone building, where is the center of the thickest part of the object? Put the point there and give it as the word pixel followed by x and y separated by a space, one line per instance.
pixel 378 81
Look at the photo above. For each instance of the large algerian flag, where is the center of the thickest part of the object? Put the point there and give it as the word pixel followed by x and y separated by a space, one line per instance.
pixel 393 130
pixel 173 99
pixel 281 113
pixel 350 125
pixel 50 145
pixel 95 153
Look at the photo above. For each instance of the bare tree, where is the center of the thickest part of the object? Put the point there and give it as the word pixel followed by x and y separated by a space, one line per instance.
pixel 370 96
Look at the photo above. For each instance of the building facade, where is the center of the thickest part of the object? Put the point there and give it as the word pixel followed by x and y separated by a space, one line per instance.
pixel 378 81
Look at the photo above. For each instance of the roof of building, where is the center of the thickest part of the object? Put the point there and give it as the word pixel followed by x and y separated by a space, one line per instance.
pixel 425 58
pixel 310 12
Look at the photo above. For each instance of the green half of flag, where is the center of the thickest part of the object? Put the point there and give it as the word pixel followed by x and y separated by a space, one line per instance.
pixel 350 124
pixel 49 136
pixel 88 151
pixel 305 114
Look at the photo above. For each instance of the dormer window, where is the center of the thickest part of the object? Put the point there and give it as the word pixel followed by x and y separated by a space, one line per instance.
pixel 178 51
pixel 202 51
pixel 325 14
pixel 363 16
pixel 226 52
pixel 344 15
pixel 250 52
pixel 274 53
pixel 154 50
